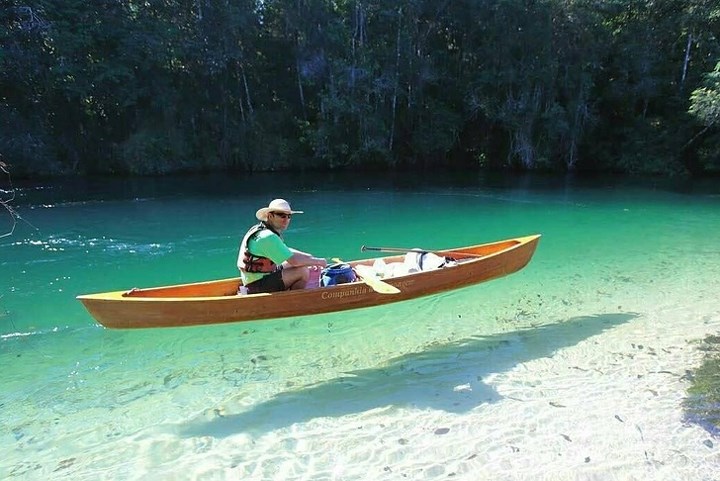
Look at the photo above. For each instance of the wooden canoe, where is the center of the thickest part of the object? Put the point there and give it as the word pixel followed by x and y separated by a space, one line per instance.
pixel 217 301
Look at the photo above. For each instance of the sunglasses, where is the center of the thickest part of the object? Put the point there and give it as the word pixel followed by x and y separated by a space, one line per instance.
pixel 282 215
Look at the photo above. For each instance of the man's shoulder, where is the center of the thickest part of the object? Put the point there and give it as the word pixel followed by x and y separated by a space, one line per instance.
pixel 267 237
pixel 265 234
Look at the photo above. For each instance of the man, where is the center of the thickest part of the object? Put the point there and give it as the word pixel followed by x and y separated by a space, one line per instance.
pixel 268 265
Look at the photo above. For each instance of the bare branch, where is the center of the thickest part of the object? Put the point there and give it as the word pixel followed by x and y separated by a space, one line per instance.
pixel 29 19
pixel 5 202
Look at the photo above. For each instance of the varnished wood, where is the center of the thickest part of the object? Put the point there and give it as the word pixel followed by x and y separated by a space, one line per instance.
pixel 217 301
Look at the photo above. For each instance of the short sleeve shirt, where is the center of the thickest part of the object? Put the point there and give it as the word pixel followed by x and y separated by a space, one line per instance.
pixel 265 244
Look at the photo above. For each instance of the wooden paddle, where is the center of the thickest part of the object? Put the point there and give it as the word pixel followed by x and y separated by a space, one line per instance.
pixel 367 275
pixel 419 251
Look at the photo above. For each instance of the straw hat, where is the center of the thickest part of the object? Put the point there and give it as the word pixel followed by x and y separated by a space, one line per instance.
pixel 277 205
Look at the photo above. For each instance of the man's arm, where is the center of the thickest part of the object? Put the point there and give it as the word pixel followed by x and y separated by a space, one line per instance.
pixel 300 258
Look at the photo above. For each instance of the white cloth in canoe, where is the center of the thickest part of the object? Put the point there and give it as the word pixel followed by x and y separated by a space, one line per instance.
pixel 413 262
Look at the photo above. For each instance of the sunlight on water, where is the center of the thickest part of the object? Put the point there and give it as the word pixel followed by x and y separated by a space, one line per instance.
pixel 573 368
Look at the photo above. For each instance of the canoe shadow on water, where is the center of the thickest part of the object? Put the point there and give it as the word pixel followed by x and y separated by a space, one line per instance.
pixel 448 377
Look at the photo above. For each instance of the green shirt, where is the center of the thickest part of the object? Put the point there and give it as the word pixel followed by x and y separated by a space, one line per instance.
pixel 265 244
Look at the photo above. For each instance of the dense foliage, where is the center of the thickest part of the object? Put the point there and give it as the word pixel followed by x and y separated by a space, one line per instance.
pixel 153 86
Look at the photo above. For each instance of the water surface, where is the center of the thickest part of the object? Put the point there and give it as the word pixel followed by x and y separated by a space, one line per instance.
pixel 573 368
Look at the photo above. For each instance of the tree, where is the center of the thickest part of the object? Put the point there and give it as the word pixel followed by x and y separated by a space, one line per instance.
pixel 25 125
pixel 161 86
pixel 705 108
pixel 705 101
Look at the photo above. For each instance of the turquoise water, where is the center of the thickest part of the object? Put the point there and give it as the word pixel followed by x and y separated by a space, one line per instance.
pixel 478 384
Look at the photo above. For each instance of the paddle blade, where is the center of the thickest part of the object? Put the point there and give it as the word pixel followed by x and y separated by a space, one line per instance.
pixel 367 274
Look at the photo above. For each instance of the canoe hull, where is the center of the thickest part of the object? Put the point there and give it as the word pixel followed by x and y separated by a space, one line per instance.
pixel 216 302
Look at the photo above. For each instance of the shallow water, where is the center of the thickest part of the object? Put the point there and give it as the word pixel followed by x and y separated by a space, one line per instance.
pixel 573 368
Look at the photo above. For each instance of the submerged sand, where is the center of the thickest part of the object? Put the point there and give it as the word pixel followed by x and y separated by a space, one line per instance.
pixel 530 391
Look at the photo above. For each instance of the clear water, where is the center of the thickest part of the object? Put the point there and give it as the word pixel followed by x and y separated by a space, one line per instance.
pixel 573 368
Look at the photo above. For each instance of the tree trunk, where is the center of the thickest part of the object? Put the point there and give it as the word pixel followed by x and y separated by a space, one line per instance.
pixel 301 93
pixel 397 81
pixel 247 91
pixel 239 74
pixel 686 61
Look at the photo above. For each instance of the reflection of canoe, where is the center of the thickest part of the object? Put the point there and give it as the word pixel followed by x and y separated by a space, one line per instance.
pixel 217 302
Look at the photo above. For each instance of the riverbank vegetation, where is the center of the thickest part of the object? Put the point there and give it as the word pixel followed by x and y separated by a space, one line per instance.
pixel 160 86
pixel 702 406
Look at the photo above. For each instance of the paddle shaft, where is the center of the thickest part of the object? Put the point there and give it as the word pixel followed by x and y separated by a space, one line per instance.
pixel 419 251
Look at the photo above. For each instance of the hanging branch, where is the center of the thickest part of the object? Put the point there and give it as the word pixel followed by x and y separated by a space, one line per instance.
pixel 5 202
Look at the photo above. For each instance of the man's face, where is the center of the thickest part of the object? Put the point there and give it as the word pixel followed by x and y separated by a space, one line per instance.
pixel 279 220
